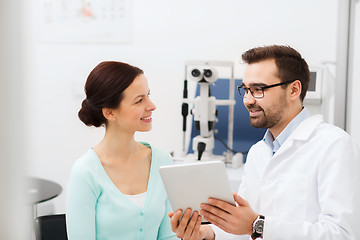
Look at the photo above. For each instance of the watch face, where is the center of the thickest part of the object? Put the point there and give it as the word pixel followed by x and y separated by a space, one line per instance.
pixel 259 226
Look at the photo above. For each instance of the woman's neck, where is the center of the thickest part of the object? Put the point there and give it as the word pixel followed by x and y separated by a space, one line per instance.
pixel 117 146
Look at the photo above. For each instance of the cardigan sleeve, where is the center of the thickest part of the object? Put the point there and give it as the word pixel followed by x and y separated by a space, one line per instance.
pixel 80 205
pixel 165 231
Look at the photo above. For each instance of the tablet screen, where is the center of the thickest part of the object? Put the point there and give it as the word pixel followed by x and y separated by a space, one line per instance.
pixel 189 185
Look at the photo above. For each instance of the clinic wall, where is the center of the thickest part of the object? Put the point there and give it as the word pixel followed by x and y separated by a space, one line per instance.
pixel 164 35
pixel 353 113
pixel 14 208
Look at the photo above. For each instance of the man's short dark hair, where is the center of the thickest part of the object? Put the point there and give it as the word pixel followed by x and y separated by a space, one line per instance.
pixel 289 62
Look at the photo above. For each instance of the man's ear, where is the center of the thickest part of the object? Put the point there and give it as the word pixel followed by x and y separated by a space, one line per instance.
pixel 296 89
pixel 108 113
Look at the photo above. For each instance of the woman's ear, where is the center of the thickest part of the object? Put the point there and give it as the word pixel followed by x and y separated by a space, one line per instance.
pixel 108 113
pixel 296 89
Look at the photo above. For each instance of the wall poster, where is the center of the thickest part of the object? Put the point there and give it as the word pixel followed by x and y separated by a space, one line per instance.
pixel 103 21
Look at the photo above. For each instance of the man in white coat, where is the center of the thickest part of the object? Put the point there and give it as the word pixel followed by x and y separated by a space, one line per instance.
pixel 300 182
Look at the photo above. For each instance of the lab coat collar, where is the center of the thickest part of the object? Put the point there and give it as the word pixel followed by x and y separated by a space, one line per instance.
pixel 286 132
pixel 306 128
pixel 302 133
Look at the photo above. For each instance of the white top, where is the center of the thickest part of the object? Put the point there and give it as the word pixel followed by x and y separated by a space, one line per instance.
pixel 309 189
pixel 137 199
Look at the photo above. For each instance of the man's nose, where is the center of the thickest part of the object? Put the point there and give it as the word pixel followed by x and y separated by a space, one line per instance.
pixel 249 99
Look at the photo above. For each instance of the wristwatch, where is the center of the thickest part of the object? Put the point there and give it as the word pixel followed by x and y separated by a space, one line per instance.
pixel 258 227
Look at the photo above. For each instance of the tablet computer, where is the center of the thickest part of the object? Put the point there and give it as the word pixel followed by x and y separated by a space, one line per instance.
pixel 189 185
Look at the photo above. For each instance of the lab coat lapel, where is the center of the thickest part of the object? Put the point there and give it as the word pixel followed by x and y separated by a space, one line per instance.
pixel 301 133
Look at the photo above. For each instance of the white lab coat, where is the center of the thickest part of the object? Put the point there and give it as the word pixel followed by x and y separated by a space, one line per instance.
pixel 309 189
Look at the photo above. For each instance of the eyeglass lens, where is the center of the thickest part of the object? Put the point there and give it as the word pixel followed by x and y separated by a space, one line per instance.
pixel 255 92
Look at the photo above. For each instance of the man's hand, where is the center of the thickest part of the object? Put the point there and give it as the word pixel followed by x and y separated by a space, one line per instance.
pixel 189 228
pixel 232 219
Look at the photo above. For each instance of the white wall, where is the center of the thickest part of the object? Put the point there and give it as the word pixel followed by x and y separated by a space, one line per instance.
pixel 353 113
pixel 165 34
pixel 14 208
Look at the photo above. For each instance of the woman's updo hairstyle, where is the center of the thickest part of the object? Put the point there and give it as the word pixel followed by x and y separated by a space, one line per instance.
pixel 104 87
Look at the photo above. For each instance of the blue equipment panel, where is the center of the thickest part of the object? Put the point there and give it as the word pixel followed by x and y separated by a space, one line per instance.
pixel 244 135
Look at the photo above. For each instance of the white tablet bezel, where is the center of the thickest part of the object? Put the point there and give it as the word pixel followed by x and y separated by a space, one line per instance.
pixel 189 185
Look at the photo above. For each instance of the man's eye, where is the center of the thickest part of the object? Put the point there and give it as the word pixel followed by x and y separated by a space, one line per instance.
pixel 257 90
pixel 139 101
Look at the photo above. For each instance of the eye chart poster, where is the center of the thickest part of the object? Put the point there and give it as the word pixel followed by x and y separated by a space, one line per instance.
pixel 92 21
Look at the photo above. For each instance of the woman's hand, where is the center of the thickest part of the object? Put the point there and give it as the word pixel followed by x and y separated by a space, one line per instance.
pixel 190 228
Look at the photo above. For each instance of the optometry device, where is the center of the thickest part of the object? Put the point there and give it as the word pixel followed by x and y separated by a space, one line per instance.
pixel 204 74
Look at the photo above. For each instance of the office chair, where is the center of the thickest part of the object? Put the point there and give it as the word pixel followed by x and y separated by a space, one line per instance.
pixel 51 227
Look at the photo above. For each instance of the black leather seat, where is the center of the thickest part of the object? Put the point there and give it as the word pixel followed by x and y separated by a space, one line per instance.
pixel 51 227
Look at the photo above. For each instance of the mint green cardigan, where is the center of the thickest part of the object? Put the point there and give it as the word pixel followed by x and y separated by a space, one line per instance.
pixel 96 209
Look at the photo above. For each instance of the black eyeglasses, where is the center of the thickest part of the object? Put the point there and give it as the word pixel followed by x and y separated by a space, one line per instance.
pixel 256 91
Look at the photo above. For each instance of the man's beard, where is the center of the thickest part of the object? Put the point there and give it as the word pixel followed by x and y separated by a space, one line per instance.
pixel 269 118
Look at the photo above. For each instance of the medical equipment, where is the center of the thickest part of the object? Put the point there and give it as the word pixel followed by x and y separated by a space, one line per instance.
pixel 205 73
pixel 320 97
pixel 313 94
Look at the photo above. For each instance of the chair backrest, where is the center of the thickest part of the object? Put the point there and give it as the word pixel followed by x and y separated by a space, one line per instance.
pixel 51 227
